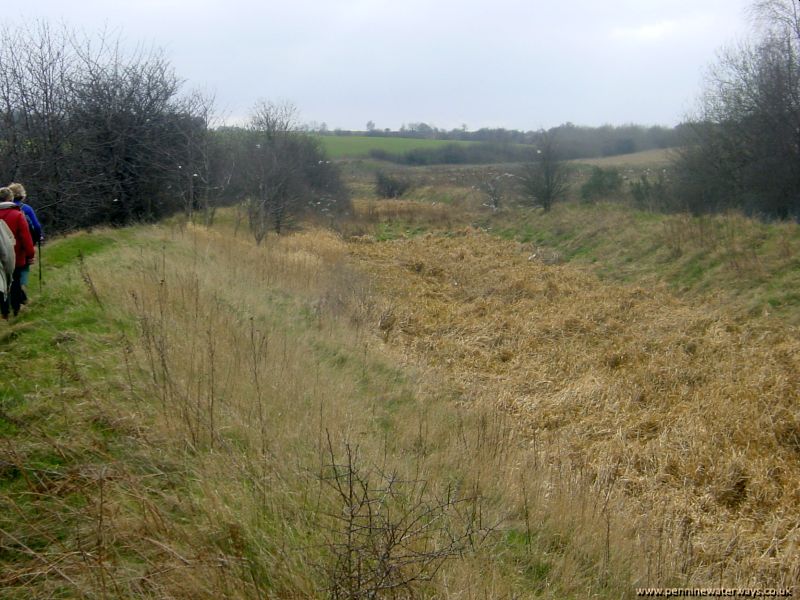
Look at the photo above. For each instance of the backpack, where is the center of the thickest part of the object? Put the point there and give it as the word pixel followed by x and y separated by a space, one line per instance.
pixel 36 234
pixel 7 257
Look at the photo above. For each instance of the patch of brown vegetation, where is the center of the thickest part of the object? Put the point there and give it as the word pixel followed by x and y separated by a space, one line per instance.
pixel 374 211
pixel 683 412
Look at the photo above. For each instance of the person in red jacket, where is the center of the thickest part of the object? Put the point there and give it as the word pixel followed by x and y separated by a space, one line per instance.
pixel 23 249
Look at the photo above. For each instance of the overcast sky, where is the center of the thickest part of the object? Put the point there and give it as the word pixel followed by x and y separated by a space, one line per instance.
pixel 520 64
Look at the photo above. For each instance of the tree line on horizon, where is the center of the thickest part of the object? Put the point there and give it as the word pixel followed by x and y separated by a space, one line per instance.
pixel 575 141
pixel 104 135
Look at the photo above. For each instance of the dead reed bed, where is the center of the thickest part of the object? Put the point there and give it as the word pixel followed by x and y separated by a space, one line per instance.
pixel 682 418
pixel 370 210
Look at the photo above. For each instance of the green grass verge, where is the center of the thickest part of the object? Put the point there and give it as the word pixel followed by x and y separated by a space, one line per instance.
pixel 392 230
pixel 56 365
pixel 750 264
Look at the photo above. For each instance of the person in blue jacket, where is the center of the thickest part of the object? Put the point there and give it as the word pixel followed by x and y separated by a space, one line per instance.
pixel 37 235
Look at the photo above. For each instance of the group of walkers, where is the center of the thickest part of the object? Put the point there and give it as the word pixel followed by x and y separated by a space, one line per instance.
pixel 20 230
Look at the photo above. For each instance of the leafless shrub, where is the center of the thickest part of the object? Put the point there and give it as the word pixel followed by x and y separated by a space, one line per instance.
pixel 494 188
pixel 388 536
pixel 545 178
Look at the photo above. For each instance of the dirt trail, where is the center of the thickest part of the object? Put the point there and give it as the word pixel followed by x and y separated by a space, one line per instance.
pixel 677 410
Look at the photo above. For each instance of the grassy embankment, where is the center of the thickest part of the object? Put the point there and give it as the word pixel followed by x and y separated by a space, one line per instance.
pixel 187 415
pixel 747 265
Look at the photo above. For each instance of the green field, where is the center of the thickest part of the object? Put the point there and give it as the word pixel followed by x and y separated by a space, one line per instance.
pixel 358 146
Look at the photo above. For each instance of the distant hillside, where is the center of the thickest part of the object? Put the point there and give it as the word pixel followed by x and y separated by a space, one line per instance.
pixel 418 151
pixel 359 146
pixel 574 141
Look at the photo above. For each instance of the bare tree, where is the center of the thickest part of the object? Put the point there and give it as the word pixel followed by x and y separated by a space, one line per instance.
pixel 273 167
pixel 781 16
pixel 126 109
pixel 288 171
pixel 37 67
pixel 88 127
pixel 274 119
pixel 744 144
pixel 545 178
pixel 200 183
pixel 101 134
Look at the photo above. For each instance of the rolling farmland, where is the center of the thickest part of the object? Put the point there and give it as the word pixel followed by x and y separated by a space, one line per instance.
pixel 357 146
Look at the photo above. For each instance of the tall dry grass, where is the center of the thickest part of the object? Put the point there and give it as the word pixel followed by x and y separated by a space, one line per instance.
pixel 289 456
pixel 432 417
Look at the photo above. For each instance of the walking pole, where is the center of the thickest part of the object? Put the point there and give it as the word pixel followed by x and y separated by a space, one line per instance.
pixel 39 245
